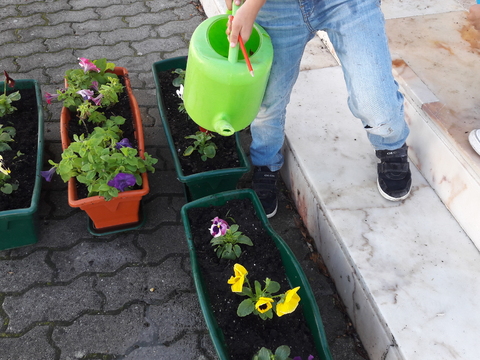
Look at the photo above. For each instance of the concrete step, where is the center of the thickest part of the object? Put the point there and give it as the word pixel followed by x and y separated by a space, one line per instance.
pixel 406 271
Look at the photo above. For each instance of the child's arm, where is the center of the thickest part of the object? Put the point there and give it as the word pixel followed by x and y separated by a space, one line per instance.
pixel 473 16
pixel 243 21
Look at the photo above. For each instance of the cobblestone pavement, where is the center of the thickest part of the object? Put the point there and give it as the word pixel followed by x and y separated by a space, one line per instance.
pixel 130 295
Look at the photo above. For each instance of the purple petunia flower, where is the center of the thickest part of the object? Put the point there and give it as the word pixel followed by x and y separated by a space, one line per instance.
pixel 219 227
pixel 97 100
pixel 86 94
pixel 49 97
pixel 48 174
pixel 10 82
pixel 123 143
pixel 122 181
pixel 95 85
pixel 87 65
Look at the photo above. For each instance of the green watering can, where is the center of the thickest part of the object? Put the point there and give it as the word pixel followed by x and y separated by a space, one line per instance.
pixel 219 93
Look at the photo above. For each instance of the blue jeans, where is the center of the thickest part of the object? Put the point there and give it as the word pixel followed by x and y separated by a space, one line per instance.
pixel 356 29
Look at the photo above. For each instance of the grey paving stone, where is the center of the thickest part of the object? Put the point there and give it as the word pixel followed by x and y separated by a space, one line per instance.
pixel 8 36
pixel 18 274
pixel 111 334
pixel 163 242
pixel 12 23
pixel 33 345
pixel 154 136
pixel 158 5
pixel 31 47
pixel 186 12
pixel 61 234
pixel 159 45
pixel 159 212
pixel 140 63
pixel 86 27
pixel 45 32
pixel 112 52
pixel 150 18
pixel 42 7
pixel 8 11
pixel 73 16
pixel 46 60
pixel 90 257
pixel 80 42
pixel 147 284
pixel 122 10
pixel 127 34
pixel 184 27
pixel 145 97
pixel 147 120
pixel 182 313
pixel 185 348
pixel 82 4
pixel 51 304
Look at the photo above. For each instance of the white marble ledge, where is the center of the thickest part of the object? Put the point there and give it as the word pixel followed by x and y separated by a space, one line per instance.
pixel 412 288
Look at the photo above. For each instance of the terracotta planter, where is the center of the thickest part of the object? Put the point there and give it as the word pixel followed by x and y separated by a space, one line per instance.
pixel 122 211
pixel 18 226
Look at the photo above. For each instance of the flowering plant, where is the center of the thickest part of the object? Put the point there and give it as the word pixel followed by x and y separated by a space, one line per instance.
pixel 281 353
pixel 227 239
pixel 89 89
pixel 261 301
pixel 203 144
pixel 6 106
pixel 102 161
pixel 7 133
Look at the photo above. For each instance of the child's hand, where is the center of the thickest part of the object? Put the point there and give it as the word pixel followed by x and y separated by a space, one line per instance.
pixel 474 16
pixel 243 21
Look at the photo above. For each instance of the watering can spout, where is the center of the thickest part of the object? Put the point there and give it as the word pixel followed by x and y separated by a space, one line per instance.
pixel 223 126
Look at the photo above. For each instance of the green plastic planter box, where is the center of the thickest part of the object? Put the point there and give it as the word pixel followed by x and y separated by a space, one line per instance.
pixel 209 182
pixel 294 273
pixel 18 227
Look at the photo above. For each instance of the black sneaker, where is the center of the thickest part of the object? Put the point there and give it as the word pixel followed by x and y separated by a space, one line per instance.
pixel 264 183
pixel 394 178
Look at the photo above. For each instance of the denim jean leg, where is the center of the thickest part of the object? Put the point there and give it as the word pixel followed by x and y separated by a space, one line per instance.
pixel 357 31
pixel 281 20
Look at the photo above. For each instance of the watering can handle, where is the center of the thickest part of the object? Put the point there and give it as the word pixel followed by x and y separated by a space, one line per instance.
pixel 233 52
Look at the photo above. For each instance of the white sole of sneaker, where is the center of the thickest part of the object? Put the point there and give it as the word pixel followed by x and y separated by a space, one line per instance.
pixel 390 198
pixel 474 139
pixel 273 213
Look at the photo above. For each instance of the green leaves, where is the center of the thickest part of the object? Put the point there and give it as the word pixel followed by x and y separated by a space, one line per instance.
pixel 95 160
pixel 282 353
pixel 227 245
pixel 6 106
pixel 202 144
pixel 6 135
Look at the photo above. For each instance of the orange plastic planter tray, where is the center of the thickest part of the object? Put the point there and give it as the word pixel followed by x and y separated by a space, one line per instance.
pixel 124 210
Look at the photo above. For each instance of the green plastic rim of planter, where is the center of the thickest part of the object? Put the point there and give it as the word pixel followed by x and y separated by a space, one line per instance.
pixel 209 182
pixel 19 227
pixel 294 272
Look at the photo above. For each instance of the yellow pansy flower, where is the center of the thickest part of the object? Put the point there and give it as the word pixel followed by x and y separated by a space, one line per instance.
pixel 239 278
pixel 263 304
pixel 2 168
pixel 289 302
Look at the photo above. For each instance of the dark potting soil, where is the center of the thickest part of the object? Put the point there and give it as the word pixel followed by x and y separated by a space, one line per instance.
pixel 23 167
pixel 181 125
pixel 244 336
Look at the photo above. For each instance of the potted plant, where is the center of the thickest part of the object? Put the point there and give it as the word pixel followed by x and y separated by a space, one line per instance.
pixel 105 150
pixel 21 156
pixel 207 175
pixel 250 300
